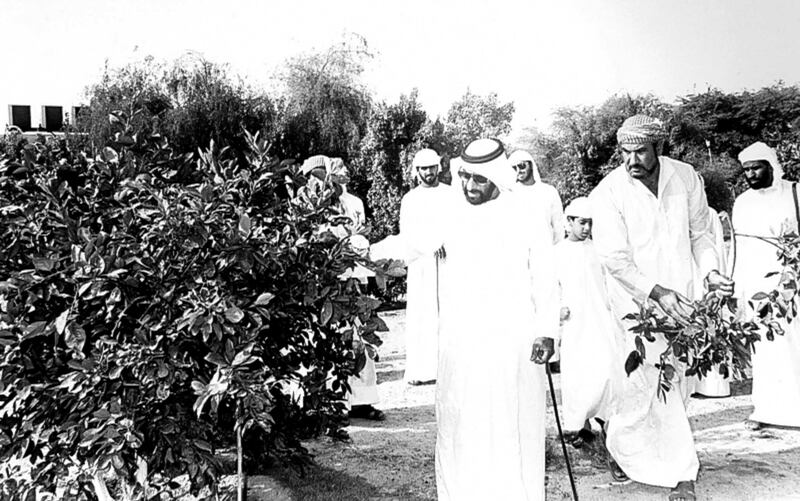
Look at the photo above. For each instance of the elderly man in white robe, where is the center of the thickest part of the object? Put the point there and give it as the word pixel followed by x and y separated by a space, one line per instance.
pixel 651 228
pixel 544 195
pixel 767 210
pixel 499 315
pixel 590 337
pixel 424 212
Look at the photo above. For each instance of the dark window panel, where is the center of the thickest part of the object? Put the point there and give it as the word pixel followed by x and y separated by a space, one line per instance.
pixel 52 118
pixel 20 116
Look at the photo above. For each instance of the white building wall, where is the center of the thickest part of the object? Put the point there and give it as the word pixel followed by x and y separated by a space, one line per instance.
pixel 37 113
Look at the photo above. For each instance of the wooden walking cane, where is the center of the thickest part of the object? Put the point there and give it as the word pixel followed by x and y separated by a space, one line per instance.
pixel 561 433
pixel 437 285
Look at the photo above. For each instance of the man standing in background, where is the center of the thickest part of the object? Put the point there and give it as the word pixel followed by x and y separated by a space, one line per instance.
pixel 768 210
pixel 424 212
pixel 543 195
pixel 321 169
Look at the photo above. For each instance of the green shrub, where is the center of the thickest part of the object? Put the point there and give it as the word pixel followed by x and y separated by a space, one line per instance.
pixel 140 317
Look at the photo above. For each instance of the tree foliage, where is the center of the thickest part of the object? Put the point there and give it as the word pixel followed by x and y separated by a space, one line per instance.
pixel 325 106
pixel 136 90
pixel 707 130
pixel 474 116
pixel 191 100
pixel 209 104
pixel 386 155
pixel 141 317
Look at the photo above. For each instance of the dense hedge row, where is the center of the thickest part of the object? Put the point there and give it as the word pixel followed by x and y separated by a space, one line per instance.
pixel 144 315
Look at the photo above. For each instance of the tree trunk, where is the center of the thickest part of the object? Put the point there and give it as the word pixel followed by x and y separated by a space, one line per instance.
pixel 241 481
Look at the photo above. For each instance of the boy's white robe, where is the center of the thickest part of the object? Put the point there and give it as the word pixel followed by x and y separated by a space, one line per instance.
pixel 498 293
pixel 423 213
pixel 644 240
pixel 776 364
pixel 590 360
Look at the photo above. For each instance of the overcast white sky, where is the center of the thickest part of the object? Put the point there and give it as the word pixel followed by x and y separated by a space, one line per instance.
pixel 539 54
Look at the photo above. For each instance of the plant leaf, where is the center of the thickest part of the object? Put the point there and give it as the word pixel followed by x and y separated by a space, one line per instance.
pixel 326 313
pixel 234 314
pixel 244 225
pixel 264 299
pixel 61 322
pixel 633 362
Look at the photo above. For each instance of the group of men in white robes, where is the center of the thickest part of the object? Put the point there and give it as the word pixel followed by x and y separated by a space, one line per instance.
pixel 655 234
pixel 486 289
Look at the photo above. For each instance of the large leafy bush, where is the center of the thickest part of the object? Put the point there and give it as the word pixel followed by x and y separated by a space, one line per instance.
pixel 141 318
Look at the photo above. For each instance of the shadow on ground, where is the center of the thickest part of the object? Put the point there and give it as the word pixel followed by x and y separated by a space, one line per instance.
pixel 386 376
pixel 319 483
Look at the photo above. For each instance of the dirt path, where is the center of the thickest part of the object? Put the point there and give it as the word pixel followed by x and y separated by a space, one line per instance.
pixel 394 459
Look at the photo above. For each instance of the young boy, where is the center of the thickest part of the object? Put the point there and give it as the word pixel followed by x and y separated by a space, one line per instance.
pixel 589 345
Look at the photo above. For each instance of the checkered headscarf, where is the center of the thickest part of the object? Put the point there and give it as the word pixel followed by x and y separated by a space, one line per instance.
pixel 641 129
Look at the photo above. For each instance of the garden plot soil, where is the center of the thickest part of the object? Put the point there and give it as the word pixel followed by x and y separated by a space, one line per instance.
pixel 394 459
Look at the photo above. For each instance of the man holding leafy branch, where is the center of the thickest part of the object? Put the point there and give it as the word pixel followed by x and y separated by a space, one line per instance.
pixel 762 216
pixel 651 230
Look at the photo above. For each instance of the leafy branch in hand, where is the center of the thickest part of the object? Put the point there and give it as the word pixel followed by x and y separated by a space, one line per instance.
pixel 780 303
pixel 714 337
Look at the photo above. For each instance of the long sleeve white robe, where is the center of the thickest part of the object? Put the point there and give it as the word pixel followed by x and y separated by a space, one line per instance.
pixel 776 364
pixel 424 212
pixel 352 207
pixel 547 202
pixel 364 387
pixel 590 354
pixel 499 293
pixel 644 240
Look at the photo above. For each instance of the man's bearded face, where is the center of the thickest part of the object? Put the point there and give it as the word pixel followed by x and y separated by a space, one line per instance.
pixel 429 174
pixel 477 189
pixel 758 174
pixel 640 160
pixel 524 171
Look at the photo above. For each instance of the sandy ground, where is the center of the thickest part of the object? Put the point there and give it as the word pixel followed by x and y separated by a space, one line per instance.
pixel 394 459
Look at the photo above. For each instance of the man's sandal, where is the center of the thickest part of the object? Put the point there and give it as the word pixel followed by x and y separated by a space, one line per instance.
pixel 573 438
pixel 578 439
pixel 614 469
pixel 616 472
pixel 753 425
pixel 367 412
pixel 684 491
